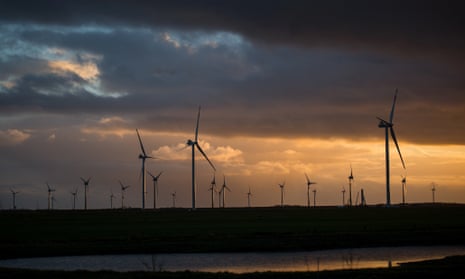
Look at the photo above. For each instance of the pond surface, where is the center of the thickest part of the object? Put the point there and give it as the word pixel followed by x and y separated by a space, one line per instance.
pixel 243 262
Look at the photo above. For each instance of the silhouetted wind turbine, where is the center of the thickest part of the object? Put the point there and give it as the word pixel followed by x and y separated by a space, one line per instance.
pixel 194 143
pixel 433 190
pixel 111 199
pixel 86 186
pixel 351 179
pixel 155 188
pixel 173 195
pixel 223 192
pixel 14 197
pixel 314 197
pixel 74 197
pixel 50 191
pixel 249 194
pixel 404 185
pixel 343 196
pixel 282 193
pixel 143 156
pixel 309 183
pixel 123 189
pixel 213 189
pixel 363 201
pixel 388 127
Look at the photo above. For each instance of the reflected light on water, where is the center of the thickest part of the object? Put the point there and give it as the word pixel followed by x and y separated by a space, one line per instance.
pixel 243 262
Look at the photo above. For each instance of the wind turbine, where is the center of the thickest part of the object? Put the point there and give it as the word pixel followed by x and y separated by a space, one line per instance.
pixel 249 194
pixel 314 197
pixel 309 183
pixel 123 189
pixel 50 191
pixel 86 186
pixel 213 189
pixel 223 192
pixel 351 179
pixel 343 196
pixel 143 156
pixel 111 199
pixel 173 195
pixel 155 188
pixel 195 144
pixel 404 185
pixel 74 197
pixel 282 193
pixel 433 190
pixel 14 197
pixel 388 127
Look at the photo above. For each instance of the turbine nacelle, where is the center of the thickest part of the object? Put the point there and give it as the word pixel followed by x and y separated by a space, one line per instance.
pixel 190 142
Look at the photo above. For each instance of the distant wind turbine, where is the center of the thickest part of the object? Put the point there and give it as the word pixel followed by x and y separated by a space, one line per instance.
pixel 50 191
pixel 388 127
pixel 249 194
pixel 213 189
pixel 343 196
pixel 309 183
pixel 282 193
pixel 433 190
pixel 14 197
pixel 223 192
pixel 123 189
pixel 314 197
pixel 112 196
pixel 86 187
pixel 351 180
pixel 363 201
pixel 155 188
pixel 404 186
pixel 173 195
pixel 74 197
pixel 143 156
pixel 195 144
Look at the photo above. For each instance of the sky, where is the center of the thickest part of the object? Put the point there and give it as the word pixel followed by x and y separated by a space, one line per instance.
pixel 286 88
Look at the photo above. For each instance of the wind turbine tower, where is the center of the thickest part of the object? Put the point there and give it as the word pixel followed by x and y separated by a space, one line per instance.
pixel 50 191
pixel 173 195
pixel 249 194
pixel 388 128
pixel 143 156
pixel 282 193
pixel 351 180
pixel 195 144
pixel 112 196
pixel 433 190
pixel 223 192
pixel 14 197
pixel 86 187
pixel 74 198
pixel 314 197
pixel 309 183
pixel 343 196
pixel 213 189
pixel 155 188
pixel 123 189
pixel 404 185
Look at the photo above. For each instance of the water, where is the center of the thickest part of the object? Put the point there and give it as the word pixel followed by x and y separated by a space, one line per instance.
pixel 243 262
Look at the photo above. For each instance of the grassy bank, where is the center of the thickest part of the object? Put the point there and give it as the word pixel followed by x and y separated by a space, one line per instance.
pixel 47 233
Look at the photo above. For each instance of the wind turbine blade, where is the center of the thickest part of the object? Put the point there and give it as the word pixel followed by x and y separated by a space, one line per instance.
pixel 204 155
pixel 308 180
pixel 197 126
pixel 159 174
pixel 391 116
pixel 83 180
pixel 141 145
pixel 153 176
pixel 393 135
pixel 382 120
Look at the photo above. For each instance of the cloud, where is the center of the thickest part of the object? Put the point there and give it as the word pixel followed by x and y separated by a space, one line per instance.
pixel 12 137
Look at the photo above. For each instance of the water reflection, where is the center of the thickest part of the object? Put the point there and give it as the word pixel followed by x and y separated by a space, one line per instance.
pixel 243 262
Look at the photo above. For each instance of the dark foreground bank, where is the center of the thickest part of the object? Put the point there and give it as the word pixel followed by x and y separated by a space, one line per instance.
pixel 449 267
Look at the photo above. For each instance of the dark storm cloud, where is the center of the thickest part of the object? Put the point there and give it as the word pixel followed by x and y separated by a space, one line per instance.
pixel 433 28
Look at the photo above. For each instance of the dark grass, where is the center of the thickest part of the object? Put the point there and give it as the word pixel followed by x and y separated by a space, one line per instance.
pixel 66 232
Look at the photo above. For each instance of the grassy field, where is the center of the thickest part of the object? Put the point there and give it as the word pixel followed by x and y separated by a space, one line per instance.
pixel 49 233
